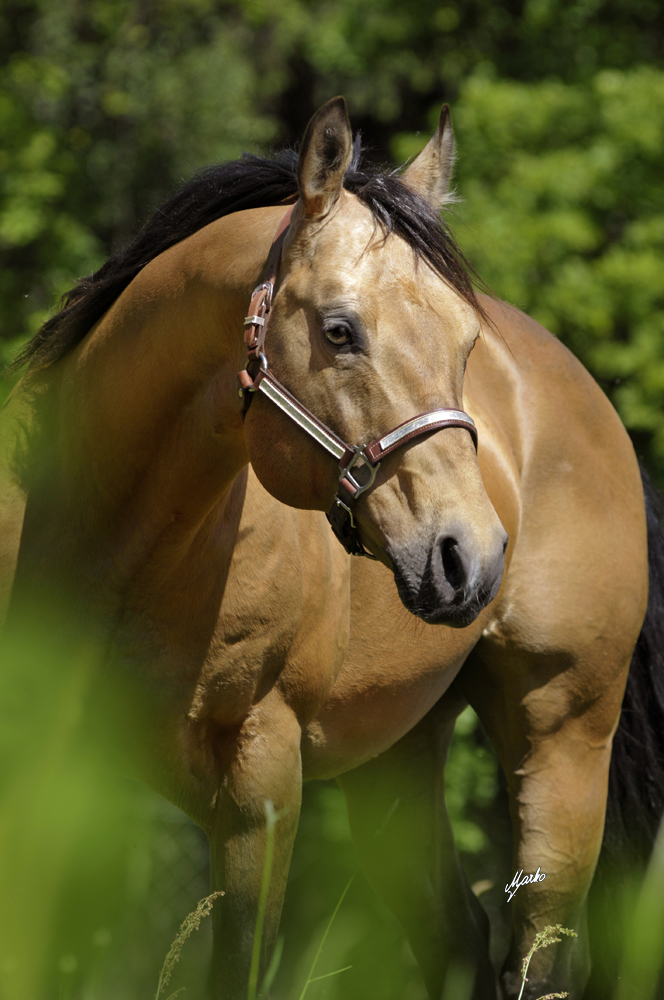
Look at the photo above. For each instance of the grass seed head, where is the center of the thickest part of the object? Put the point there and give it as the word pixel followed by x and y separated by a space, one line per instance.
pixel 190 924
pixel 542 940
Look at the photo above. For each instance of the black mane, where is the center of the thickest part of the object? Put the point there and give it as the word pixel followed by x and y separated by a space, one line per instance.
pixel 250 182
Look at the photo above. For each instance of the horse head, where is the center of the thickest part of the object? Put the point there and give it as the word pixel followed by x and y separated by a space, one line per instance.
pixel 373 321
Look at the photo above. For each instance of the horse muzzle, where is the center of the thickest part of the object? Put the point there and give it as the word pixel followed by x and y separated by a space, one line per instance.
pixel 453 581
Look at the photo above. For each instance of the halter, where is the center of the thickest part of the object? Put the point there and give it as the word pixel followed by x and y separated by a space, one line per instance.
pixel 358 464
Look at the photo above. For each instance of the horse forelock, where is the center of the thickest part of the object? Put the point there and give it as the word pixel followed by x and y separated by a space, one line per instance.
pixel 220 190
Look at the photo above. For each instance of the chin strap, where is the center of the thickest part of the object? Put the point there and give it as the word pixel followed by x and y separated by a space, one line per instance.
pixel 358 464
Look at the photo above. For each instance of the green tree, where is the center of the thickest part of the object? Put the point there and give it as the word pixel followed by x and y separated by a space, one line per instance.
pixel 103 109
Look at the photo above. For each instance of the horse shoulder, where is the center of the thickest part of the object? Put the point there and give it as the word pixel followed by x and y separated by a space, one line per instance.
pixel 550 406
pixel 283 617
pixel 575 589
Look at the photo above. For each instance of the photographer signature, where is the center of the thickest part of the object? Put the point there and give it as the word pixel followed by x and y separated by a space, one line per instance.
pixel 518 881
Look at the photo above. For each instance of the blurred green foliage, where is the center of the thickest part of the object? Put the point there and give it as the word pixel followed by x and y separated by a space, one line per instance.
pixel 642 972
pixel 102 111
pixel 471 778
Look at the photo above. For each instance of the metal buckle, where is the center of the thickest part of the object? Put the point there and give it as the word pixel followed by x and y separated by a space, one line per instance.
pixel 345 529
pixel 339 503
pixel 345 473
pixel 269 288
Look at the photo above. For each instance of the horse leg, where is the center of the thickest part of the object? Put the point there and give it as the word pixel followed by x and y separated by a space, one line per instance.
pixel 554 742
pixel 260 762
pixel 403 838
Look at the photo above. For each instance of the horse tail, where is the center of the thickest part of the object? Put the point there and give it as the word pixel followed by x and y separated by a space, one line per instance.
pixel 635 802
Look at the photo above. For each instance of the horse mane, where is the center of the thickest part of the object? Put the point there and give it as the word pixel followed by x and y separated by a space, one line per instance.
pixel 219 190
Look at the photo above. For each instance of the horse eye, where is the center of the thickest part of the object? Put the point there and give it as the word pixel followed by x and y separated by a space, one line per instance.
pixel 339 335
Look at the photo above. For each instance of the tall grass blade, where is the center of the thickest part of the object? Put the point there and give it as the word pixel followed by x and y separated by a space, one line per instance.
pixel 272 969
pixel 310 977
pixel 644 948
pixel 328 974
pixel 272 818
pixel 458 983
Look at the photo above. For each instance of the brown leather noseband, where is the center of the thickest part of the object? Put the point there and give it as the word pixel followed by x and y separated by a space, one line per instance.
pixel 358 464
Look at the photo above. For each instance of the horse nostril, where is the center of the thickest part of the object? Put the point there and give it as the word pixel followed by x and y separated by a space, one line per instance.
pixel 453 567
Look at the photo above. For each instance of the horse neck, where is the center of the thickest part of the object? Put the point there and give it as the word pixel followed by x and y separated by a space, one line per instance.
pixel 141 435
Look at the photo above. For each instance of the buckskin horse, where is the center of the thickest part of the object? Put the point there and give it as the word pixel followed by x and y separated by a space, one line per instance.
pixel 225 615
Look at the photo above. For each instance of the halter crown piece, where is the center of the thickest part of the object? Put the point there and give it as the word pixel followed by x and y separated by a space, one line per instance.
pixel 358 464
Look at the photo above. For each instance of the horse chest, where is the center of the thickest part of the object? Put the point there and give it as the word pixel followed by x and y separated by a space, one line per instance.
pixel 283 619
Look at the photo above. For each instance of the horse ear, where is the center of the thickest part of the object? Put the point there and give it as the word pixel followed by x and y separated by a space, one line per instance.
pixel 430 173
pixel 324 158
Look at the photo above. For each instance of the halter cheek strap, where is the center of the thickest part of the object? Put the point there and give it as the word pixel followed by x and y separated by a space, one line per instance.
pixel 358 464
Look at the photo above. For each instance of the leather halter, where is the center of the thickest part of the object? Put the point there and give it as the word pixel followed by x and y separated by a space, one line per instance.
pixel 358 464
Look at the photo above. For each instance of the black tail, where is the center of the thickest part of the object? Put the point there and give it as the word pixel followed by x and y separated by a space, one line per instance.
pixel 635 802
pixel 636 781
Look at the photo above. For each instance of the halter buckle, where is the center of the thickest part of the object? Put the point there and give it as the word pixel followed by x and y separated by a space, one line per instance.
pixel 367 467
pixel 268 288
pixel 343 525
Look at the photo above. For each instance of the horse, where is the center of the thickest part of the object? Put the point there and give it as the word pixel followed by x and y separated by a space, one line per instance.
pixel 123 448
pixel 248 664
